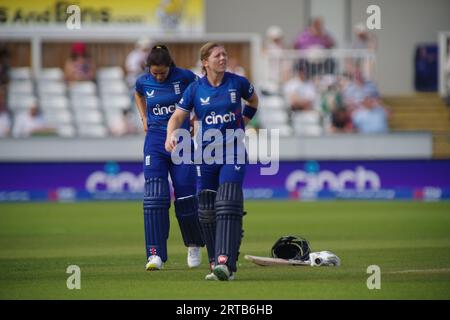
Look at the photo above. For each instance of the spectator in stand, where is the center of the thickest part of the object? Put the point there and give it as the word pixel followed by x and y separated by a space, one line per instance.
pixel 274 39
pixel 79 67
pixel 124 124
pixel 371 117
pixel 341 121
pixel 354 92
pixel 276 68
pixel 363 40
pixel 135 61
pixel 300 92
pixel 314 37
pixel 5 119
pixel 31 122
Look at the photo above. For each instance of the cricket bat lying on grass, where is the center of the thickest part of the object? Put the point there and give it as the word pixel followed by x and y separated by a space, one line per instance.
pixel 322 258
pixel 266 261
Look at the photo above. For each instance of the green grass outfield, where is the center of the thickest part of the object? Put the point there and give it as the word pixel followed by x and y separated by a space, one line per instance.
pixel 409 241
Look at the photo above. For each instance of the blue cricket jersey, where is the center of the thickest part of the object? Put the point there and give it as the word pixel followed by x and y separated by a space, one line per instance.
pixel 217 107
pixel 161 98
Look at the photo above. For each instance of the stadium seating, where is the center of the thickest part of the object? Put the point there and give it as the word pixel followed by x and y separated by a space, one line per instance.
pixel 76 109
pixel 273 114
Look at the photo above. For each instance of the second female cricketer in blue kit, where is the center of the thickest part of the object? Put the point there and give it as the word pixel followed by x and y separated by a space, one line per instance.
pixel 216 101
pixel 157 92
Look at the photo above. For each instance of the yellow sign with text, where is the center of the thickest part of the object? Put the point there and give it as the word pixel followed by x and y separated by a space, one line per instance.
pixel 174 15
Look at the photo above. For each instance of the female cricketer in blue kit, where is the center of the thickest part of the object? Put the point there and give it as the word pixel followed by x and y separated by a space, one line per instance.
pixel 156 94
pixel 216 101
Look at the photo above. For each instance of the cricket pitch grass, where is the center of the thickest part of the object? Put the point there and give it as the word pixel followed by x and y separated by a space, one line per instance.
pixel 408 241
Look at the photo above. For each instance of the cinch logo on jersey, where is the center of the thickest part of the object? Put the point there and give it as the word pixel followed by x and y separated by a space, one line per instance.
pixel 219 118
pixel 161 111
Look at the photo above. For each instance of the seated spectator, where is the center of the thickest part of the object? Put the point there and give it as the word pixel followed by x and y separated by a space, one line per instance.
pixel 354 92
pixel 135 60
pixel 300 92
pixel 314 37
pixel 331 96
pixel 5 119
pixel 371 117
pixel 341 121
pixel 31 122
pixel 124 125
pixel 79 67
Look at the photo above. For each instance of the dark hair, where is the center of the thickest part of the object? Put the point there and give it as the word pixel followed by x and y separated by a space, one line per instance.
pixel 159 56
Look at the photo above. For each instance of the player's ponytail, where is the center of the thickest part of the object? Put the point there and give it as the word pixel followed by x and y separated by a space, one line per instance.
pixel 160 56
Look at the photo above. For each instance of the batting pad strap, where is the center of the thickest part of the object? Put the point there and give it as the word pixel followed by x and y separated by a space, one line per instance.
pixel 156 193
pixel 186 205
pixel 187 216
pixel 230 199
pixel 207 206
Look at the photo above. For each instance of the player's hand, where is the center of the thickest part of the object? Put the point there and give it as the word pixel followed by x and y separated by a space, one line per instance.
pixel 170 144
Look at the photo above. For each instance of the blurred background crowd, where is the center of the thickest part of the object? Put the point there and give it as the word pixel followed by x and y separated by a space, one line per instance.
pixel 313 85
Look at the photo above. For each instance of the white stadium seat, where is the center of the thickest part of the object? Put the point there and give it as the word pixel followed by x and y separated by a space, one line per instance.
pixel 279 116
pixel 89 116
pixel 56 117
pixel 82 88
pixel 22 73
pixel 51 74
pixel 308 130
pixel 92 131
pixel 115 87
pixel 110 73
pixel 21 102
pixel 20 87
pixel 306 117
pixel 273 102
pixel 66 131
pixel 84 102
pixel 54 102
pixel 116 102
pixel 51 88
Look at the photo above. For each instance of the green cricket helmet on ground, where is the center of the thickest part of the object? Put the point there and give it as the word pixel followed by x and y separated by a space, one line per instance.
pixel 291 247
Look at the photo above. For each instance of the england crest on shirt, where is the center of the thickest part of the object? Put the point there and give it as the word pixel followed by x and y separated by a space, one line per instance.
pixel 176 88
pixel 232 95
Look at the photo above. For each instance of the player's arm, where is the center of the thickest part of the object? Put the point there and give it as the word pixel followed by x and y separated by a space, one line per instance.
pixel 250 107
pixel 142 108
pixel 175 122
